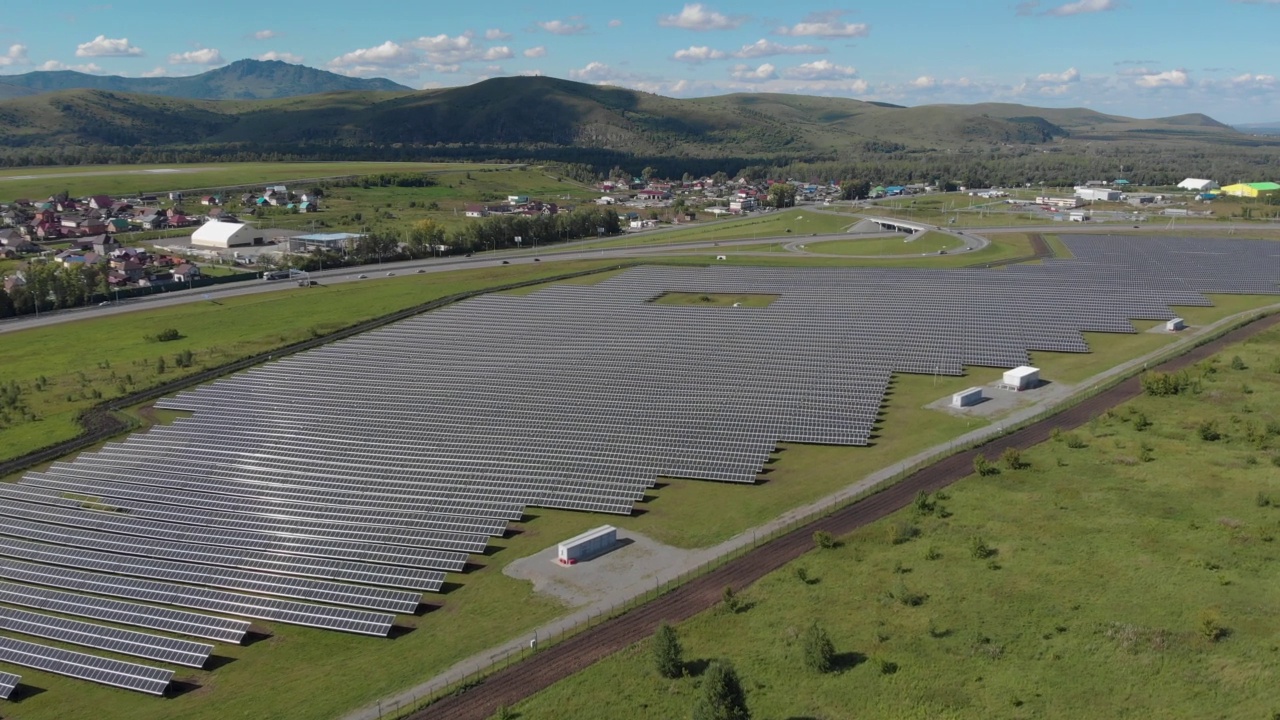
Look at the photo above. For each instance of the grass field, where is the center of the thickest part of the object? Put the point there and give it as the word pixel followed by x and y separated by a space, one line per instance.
pixel 115 180
pixel 751 300
pixel 112 355
pixel 930 242
pixel 1002 247
pixel 1132 577
pixel 798 223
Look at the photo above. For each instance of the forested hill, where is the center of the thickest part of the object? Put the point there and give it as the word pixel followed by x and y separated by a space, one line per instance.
pixel 243 79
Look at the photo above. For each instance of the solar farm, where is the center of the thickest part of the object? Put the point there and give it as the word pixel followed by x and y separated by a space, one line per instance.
pixel 333 488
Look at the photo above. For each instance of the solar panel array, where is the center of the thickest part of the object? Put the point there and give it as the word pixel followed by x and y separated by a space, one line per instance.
pixel 8 682
pixel 331 488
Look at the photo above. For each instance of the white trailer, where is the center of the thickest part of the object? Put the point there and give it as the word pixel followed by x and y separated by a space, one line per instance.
pixel 1021 378
pixel 1175 325
pixel 967 398
pixel 587 545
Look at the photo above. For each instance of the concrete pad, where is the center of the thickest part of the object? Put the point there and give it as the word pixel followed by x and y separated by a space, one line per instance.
pixel 628 569
pixel 999 401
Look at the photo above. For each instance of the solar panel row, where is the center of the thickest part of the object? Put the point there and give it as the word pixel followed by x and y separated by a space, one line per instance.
pixel 116 673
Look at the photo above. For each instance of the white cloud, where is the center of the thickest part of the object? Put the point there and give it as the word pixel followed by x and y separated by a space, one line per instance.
pixel 1253 81
pixel 745 73
pixel 560 27
pixel 103 46
pixel 1168 78
pixel 698 54
pixel 767 48
pixel 1082 7
pixel 594 72
pixel 924 82
pixel 388 54
pixel 697 16
pixel 1054 90
pixel 16 55
pixel 204 56
pixel 446 68
pixel 158 71
pixel 1134 71
pixel 282 57
pixel 820 70
pixel 825 24
pixel 1069 75
pixel 501 52
pixel 615 23
pixel 90 68
pixel 444 48
pixel 536 52
pixel 265 35
pixel 496 34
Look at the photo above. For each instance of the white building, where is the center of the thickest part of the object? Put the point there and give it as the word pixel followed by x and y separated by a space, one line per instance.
pixel 1078 216
pixel 1065 203
pixel 217 233
pixel 1096 194
pixel 1198 185
pixel 1023 377
pixel 587 545
pixel 967 398
pixel 1175 325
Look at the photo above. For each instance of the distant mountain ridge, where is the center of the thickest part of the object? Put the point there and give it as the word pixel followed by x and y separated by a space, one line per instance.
pixel 241 80
pixel 514 114
pixel 1268 128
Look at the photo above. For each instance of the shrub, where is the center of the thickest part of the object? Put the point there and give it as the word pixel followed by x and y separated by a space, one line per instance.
pixel 923 505
pixel 901 532
pixel 1262 500
pixel 802 574
pixel 1012 458
pixel 667 652
pixel 1075 442
pixel 1141 422
pixel 910 598
pixel 160 366
pixel 1055 434
pixel 1211 627
pixel 1208 431
pixel 932 553
pixel 168 334
pixel 979 549
pixel 886 667
pixel 722 695
pixel 1145 455
pixel 1237 363
pixel 984 467
pixel 819 652
pixel 732 603
pixel 824 540
pixel 1160 384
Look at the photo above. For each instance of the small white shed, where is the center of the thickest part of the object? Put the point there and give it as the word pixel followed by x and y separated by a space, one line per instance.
pixel 967 398
pixel 1023 377
pixel 587 545
pixel 1175 325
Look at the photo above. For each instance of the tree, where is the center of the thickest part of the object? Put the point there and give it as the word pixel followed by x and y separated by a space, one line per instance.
pixel 855 189
pixel 819 652
pixel 722 695
pixel 667 652
pixel 782 195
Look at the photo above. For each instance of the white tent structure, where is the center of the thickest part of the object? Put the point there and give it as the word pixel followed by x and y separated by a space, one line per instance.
pixel 217 233
pixel 1198 185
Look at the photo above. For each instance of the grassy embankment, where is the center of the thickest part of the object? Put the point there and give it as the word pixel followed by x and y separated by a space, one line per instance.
pixel 1124 572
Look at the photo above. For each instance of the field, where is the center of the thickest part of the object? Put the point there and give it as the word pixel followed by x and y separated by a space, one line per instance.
pixel 799 223
pixel 1004 246
pixel 485 607
pixel 1124 571
pixel 116 180
pixel 930 242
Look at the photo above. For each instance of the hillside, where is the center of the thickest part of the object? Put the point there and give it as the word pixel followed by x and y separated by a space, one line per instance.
pixel 241 80
pixel 541 112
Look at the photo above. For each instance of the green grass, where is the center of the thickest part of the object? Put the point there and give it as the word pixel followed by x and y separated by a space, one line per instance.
pixel 1002 247
pixel 930 242
pixel 112 355
pixel 751 300
pixel 118 180
pixel 801 222
pixel 1092 605
pixel 1059 248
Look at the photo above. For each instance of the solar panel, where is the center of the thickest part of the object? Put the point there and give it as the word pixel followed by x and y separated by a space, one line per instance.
pixel 8 682
pixel 102 670
pixel 125 642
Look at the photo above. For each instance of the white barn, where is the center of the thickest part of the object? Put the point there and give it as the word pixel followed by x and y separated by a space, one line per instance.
pixel 217 233
pixel 1198 185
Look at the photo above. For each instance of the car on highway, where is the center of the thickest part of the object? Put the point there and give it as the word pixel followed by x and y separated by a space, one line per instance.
pixel 390 274
pixel 362 277
pixel 420 270
pixel 504 262
pixel 104 303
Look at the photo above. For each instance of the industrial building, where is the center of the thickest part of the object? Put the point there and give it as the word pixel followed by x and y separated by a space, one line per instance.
pixel 1253 190
pixel 1097 194
pixel 1175 324
pixel 217 233
pixel 1198 185
pixel 587 545
pixel 967 398
pixel 1021 378
pixel 1058 202
pixel 323 241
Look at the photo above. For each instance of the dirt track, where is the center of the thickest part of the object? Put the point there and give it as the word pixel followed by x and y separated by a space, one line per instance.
pixel 511 685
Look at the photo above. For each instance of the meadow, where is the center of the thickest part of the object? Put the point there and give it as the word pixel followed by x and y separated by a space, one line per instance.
pixel 1124 570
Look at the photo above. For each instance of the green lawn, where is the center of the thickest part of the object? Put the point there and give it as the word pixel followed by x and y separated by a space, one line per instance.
pixel 930 242
pixel 118 180
pixel 752 300
pixel 1002 247
pixel 112 355
pixel 1106 576
pixel 799 223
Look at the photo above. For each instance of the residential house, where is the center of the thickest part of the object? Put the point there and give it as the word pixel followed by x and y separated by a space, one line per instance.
pixel 476 211
pixel 210 200
pixel 186 273
pixel 100 202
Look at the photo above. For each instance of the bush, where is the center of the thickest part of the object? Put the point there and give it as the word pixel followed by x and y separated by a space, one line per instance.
pixel 1237 363
pixel 824 540
pixel 932 553
pixel 722 695
pixel 168 334
pixel 819 652
pixel 1012 458
pixel 983 467
pixel 732 603
pixel 1075 442
pixel 923 505
pixel 901 532
pixel 802 574
pixel 979 549
pixel 1140 422
pixel 667 652
pixel 906 597
pixel 886 667
pixel 1262 500
pixel 1211 626
pixel 1208 431
pixel 1161 384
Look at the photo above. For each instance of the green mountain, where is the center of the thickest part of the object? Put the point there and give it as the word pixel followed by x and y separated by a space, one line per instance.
pixel 241 80
pixel 541 112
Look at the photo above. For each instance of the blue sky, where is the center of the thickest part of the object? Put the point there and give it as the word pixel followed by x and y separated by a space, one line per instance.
pixel 1133 57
